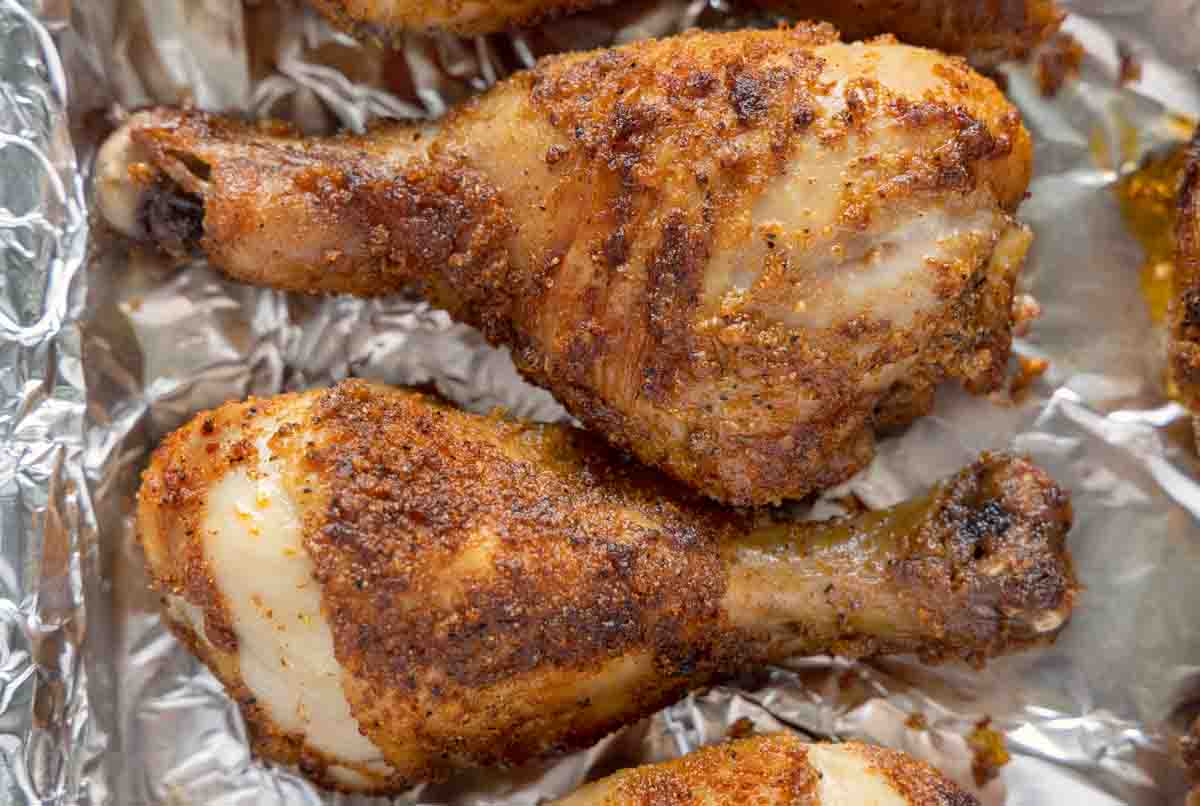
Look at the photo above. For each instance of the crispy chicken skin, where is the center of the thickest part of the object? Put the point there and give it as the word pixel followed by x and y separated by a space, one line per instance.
pixel 1183 362
pixel 987 30
pixel 394 590
pixel 736 255
pixel 388 18
pixel 778 770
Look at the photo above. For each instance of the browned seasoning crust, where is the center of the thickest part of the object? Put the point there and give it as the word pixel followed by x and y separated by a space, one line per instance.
pixel 1184 337
pixel 920 783
pixel 499 591
pixel 776 769
pixel 769 769
pixel 595 560
pixel 988 31
pixel 386 19
pixel 612 217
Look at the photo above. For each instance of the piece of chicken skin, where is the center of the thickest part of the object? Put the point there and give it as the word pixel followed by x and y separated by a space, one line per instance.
pixel 986 30
pixel 1183 356
pixel 778 770
pixel 736 255
pixel 394 590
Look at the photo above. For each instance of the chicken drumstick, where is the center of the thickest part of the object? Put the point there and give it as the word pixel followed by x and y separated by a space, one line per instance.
pixel 394 590
pixel 736 255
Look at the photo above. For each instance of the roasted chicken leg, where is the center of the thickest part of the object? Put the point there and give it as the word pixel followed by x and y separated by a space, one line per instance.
pixel 987 30
pixel 394 590
pixel 735 255
pixel 778 770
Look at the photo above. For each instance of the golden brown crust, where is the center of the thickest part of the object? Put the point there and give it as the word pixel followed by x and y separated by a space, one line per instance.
pixel 986 30
pixel 499 592
pixel 919 783
pixel 1184 312
pixel 388 224
pixel 607 253
pixel 392 503
pixel 739 108
pixel 778 770
pixel 386 19
pixel 770 769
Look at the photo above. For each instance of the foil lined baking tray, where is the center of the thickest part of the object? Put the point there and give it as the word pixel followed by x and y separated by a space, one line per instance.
pixel 104 349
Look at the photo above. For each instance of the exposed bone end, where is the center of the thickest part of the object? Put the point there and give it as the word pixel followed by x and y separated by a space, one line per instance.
pixel 145 196
pixel 118 194
pixel 1010 553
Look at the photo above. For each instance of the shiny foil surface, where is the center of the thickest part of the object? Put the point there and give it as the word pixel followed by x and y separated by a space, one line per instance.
pixel 106 347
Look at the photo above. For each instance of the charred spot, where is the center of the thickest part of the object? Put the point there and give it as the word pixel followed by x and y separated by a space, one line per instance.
pixel 1190 312
pixel 583 352
pixel 622 556
pixel 616 248
pixel 748 97
pixel 982 524
pixel 674 277
pixel 172 218
pixel 975 141
pixel 685 538
pixel 701 84
pixel 954 177
pixel 630 121
pixel 803 116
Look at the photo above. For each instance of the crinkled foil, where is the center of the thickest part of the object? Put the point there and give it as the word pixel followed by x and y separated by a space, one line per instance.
pixel 104 349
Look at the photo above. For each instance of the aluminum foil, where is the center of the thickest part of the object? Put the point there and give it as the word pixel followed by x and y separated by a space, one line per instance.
pixel 104 349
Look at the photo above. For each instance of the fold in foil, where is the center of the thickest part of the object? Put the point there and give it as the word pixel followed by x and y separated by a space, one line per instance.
pixel 104 348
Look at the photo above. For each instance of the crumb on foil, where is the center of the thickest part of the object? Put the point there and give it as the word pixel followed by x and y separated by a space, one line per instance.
pixel 741 729
pixel 1058 62
pixel 990 754
pixel 916 722
pixel 1025 311
pixel 1028 372
pixel 1129 69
